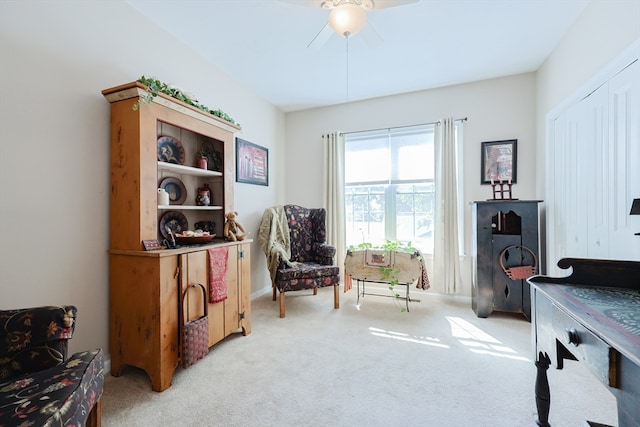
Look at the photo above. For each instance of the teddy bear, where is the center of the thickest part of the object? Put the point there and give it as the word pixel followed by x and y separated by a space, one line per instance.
pixel 233 230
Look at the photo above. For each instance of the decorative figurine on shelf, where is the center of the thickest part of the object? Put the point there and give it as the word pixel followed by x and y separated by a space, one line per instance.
pixel 204 196
pixel 163 197
pixel 233 230
pixel 499 190
pixel 202 162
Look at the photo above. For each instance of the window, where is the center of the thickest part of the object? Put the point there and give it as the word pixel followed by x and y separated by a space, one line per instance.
pixel 389 186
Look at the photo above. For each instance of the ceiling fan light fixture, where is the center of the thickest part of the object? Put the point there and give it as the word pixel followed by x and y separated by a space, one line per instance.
pixel 347 19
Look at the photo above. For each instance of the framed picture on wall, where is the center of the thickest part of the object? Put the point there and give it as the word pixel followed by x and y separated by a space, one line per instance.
pixel 252 163
pixel 499 162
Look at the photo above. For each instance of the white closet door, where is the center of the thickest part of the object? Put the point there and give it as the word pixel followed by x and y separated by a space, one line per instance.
pixel 556 201
pixel 624 137
pixel 595 167
pixel 572 182
pixel 596 172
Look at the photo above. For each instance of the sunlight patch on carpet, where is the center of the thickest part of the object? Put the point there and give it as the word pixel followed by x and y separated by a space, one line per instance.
pixel 479 341
pixel 434 342
pixel 460 328
pixel 494 353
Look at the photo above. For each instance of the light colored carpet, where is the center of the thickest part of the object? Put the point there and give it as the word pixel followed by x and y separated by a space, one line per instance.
pixel 438 365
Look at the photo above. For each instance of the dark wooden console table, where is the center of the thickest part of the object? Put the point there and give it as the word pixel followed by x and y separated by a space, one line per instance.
pixel 592 316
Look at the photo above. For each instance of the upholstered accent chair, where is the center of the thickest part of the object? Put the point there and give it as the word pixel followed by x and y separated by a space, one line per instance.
pixel 294 240
pixel 39 385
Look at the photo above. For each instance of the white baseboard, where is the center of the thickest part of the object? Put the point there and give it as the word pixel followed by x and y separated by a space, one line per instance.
pixel 107 364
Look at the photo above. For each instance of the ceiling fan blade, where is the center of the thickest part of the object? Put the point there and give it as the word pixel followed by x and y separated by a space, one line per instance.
pixel 371 36
pixel 321 38
pixel 382 4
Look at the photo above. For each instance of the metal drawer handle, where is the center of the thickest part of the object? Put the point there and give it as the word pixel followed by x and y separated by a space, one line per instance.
pixel 573 336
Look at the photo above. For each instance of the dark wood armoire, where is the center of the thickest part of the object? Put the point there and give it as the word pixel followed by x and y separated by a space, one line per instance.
pixel 505 237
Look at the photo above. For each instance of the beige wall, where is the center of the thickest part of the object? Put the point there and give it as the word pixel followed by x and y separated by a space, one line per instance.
pixel 54 146
pixel 496 109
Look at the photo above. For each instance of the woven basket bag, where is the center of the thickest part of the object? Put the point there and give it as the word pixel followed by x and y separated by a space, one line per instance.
pixel 194 333
pixel 519 272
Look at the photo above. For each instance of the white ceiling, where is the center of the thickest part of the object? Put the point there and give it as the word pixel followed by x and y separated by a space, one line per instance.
pixel 431 43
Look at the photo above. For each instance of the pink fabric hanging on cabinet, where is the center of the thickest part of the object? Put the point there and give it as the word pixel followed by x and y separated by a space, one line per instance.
pixel 218 274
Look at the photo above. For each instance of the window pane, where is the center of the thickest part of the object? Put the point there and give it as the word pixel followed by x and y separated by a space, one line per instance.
pixel 414 215
pixel 367 160
pixel 390 186
pixel 413 156
pixel 365 213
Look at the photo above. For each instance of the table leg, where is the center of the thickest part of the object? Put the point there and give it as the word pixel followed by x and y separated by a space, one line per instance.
pixel 543 396
pixel 407 299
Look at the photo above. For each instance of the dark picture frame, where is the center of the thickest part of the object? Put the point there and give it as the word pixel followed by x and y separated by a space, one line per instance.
pixel 252 163
pixel 499 162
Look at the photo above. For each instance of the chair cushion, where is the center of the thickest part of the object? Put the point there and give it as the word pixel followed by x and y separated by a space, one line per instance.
pixel 309 283
pixel 309 270
pixel 62 395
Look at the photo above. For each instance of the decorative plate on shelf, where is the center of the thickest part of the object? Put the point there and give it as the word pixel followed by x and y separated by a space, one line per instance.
pixel 170 150
pixel 176 189
pixel 176 221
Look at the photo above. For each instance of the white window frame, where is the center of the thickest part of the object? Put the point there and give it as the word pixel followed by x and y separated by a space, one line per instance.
pixel 391 183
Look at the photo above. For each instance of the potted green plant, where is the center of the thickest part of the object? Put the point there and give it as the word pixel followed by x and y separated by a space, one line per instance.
pixel 389 274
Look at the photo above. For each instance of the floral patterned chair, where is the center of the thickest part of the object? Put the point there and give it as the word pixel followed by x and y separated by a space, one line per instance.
pixel 39 385
pixel 311 261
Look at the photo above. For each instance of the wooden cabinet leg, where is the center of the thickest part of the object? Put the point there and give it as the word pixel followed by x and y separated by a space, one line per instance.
pixel 116 371
pixel 281 304
pixel 543 395
pixel 161 376
pixel 116 362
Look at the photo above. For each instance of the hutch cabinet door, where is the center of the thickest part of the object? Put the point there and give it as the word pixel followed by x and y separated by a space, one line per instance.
pixel 244 276
pixel 238 306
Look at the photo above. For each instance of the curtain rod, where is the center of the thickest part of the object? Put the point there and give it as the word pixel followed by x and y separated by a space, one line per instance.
pixel 462 119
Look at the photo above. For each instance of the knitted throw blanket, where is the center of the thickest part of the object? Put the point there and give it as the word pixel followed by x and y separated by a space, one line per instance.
pixel 274 239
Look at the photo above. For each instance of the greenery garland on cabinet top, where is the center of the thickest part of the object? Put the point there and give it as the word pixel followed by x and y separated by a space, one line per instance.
pixel 155 86
pixel 389 274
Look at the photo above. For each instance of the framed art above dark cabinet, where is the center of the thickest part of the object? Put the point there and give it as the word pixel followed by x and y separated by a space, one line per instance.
pixel 499 161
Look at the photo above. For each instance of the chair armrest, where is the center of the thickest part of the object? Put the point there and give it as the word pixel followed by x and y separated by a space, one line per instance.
pixel 62 395
pixel 32 339
pixel 324 253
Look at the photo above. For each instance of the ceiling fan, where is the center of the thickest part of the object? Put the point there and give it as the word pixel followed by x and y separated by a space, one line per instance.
pixel 348 17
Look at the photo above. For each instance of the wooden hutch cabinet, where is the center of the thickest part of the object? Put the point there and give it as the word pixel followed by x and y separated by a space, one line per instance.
pixel 146 285
pixel 500 224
